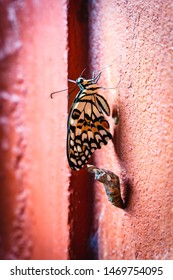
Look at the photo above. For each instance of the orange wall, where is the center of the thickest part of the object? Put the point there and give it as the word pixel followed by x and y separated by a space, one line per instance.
pixel 34 171
pixel 138 37
pixel 46 210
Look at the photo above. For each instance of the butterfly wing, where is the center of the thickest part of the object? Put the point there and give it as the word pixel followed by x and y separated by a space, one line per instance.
pixel 87 128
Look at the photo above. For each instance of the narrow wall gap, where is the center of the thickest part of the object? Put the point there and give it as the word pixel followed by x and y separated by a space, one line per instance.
pixel 81 186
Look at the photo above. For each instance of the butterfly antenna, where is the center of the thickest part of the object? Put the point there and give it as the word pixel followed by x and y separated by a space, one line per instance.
pixel 72 81
pixel 61 91
pixel 82 72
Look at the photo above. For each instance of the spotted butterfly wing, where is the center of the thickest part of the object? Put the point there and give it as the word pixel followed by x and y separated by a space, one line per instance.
pixel 87 127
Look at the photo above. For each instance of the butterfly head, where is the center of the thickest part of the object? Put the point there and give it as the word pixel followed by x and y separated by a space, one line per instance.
pixel 84 83
pixel 80 81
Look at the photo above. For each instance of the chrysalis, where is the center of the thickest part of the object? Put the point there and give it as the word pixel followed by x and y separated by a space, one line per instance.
pixel 111 184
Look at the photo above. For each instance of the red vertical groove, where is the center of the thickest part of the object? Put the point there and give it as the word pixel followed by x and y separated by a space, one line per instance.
pixel 80 215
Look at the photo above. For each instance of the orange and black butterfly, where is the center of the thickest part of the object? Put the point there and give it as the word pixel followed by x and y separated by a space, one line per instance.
pixel 87 128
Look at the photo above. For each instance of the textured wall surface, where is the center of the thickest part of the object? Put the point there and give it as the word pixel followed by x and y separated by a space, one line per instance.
pixel 33 187
pixel 48 211
pixel 136 37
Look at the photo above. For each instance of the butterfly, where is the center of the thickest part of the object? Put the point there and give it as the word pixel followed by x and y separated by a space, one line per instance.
pixel 87 127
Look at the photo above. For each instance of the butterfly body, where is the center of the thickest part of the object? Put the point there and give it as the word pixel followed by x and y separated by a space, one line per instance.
pixel 87 128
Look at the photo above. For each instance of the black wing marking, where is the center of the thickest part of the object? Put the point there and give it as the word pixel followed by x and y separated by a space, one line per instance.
pixel 88 129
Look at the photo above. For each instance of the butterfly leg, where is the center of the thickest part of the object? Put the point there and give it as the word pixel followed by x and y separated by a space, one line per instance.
pixel 96 78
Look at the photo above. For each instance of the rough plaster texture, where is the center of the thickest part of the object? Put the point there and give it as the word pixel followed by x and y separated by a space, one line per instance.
pixel 137 37
pixel 33 187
